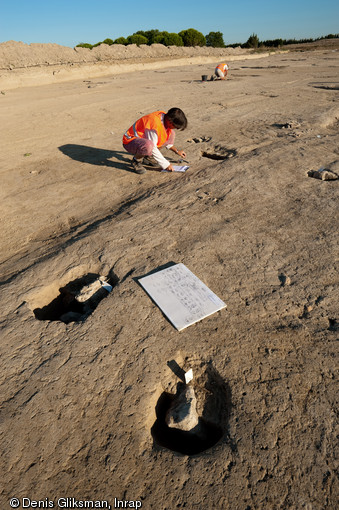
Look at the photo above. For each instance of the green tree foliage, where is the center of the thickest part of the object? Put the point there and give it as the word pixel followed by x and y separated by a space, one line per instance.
pixel 215 39
pixel 252 41
pixel 273 43
pixel 192 37
pixel 149 34
pixel 136 39
pixel 169 39
pixel 121 40
pixel 141 32
pixel 84 45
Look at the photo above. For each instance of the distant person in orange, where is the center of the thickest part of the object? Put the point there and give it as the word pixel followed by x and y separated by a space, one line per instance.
pixel 221 72
pixel 151 132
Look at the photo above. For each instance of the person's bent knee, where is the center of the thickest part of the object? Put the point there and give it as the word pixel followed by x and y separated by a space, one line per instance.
pixel 148 148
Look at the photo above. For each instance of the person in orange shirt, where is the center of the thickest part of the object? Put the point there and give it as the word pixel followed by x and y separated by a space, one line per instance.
pixel 221 72
pixel 144 138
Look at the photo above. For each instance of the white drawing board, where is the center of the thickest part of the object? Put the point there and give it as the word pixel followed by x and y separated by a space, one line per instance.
pixel 178 168
pixel 182 297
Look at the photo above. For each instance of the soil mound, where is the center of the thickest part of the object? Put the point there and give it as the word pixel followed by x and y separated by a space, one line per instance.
pixel 18 55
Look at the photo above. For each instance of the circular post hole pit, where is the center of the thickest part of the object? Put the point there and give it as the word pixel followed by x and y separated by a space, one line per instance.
pixel 78 299
pixel 220 154
pixel 213 407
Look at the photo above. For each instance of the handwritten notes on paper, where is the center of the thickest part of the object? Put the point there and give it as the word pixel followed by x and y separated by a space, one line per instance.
pixel 182 297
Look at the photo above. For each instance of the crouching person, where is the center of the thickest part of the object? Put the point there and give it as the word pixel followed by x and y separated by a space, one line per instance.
pixel 221 72
pixel 151 132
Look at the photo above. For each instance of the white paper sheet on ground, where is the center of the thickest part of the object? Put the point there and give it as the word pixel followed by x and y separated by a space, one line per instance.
pixel 177 168
pixel 182 297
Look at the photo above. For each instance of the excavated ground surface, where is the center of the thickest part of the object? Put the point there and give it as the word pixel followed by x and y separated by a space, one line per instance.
pixel 79 399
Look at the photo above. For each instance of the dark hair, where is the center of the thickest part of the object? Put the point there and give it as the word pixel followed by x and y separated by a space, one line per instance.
pixel 177 117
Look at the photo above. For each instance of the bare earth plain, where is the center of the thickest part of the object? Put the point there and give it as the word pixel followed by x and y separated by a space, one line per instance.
pixel 81 400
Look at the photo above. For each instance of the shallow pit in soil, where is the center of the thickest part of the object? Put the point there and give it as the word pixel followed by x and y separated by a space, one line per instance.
pixel 219 154
pixel 214 404
pixel 78 299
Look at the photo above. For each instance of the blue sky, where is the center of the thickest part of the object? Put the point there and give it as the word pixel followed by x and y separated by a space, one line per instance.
pixel 69 22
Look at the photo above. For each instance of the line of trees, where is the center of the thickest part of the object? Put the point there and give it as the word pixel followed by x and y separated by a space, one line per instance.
pixel 189 37
pixel 192 37
pixel 254 42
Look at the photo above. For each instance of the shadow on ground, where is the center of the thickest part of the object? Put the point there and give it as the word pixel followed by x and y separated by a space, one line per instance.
pixel 95 156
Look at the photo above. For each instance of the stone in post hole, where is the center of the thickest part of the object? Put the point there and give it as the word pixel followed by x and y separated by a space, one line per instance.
pixel 182 414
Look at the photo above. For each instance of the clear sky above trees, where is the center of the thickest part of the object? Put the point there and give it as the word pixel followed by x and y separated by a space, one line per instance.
pixel 68 22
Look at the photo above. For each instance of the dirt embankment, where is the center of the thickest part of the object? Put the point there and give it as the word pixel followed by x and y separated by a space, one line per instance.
pixel 33 64
pixel 321 44
pixel 16 55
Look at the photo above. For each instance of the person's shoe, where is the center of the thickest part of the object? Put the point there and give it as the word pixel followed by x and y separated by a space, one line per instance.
pixel 137 167
pixel 150 161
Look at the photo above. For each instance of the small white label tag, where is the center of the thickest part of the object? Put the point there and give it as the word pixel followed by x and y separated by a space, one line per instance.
pixel 188 376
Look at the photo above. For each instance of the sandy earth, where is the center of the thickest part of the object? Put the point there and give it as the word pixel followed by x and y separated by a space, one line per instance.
pixel 80 400
pixel 37 64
